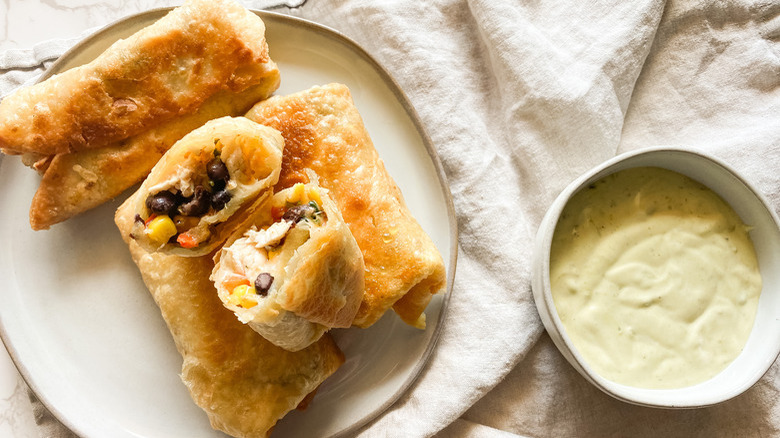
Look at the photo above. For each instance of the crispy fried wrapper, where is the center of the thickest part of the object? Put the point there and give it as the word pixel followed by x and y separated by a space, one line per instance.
pixel 324 132
pixel 244 383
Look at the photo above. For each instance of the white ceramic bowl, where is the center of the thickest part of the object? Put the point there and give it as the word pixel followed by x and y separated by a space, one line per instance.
pixel 763 344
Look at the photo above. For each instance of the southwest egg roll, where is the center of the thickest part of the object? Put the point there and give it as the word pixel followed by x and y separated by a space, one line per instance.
pixel 244 383
pixel 324 132
pixel 294 270
pixel 205 185
pixel 162 71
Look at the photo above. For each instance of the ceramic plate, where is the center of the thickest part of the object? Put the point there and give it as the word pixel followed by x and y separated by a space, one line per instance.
pixel 85 333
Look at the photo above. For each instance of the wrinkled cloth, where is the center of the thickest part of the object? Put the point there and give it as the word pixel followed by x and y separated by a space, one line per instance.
pixel 519 99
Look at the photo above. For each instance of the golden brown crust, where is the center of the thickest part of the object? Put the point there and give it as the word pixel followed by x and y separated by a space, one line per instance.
pixel 244 383
pixel 165 70
pixel 328 284
pixel 76 182
pixel 324 132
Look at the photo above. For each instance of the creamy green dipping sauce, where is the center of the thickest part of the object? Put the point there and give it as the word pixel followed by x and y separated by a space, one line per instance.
pixel 655 278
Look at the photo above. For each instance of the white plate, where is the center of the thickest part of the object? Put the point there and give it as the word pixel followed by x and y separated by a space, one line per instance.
pixel 85 333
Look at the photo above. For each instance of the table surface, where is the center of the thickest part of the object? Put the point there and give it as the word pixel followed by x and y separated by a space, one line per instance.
pixel 22 25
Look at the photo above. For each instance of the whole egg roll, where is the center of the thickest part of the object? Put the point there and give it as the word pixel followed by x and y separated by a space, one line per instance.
pixel 324 132
pixel 244 383
pixel 165 70
pixel 293 271
pixel 205 185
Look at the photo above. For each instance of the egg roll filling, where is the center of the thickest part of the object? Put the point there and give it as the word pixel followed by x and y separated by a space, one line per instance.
pixel 175 207
pixel 261 255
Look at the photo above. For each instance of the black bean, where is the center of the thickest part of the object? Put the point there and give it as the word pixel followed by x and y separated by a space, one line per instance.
pixel 198 205
pixel 217 170
pixel 295 213
pixel 217 185
pixel 263 283
pixel 219 199
pixel 161 203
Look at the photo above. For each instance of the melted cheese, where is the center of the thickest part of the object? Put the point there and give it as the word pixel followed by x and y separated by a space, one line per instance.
pixel 654 278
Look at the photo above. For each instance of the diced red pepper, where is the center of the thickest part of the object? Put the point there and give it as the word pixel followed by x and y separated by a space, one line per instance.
pixel 235 282
pixel 277 213
pixel 186 241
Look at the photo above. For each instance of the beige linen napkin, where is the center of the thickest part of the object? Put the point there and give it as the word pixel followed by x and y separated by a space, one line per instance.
pixel 520 98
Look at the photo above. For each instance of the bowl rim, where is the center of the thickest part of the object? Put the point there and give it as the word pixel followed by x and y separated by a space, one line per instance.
pixel 659 398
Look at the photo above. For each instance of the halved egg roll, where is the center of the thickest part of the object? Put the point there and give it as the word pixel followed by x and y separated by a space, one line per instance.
pixel 244 383
pixel 76 182
pixel 162 71
pixel 294 270
pixel 324 132
pixel 206 185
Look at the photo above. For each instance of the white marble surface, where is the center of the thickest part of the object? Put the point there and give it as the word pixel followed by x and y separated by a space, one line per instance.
pixel 16 417
pixel 23 23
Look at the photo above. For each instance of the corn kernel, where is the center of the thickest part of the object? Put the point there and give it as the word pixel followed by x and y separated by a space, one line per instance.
pixel 314 195
pixel 248 303
pixel 241 290
pixel 241 296
pixel 161 229
pixel 234 300
pixel 296 194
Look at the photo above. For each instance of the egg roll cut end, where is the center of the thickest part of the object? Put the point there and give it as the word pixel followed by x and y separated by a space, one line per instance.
pixel 293 270
pixel 205 207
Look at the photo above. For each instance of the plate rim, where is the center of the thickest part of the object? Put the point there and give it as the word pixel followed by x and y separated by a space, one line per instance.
pixel 408 108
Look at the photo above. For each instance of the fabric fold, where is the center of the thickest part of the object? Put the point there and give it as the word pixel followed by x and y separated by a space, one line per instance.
pixel 518 100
